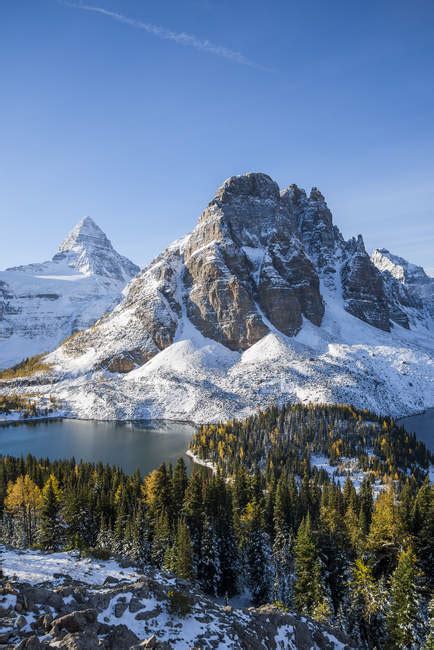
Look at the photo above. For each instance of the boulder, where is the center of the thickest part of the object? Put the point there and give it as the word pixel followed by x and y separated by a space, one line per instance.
pixel 76 621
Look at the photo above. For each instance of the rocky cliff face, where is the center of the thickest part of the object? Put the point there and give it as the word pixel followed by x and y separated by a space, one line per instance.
pixel 409 290
pixel 363 287
pixel 243 262
pixel 41 304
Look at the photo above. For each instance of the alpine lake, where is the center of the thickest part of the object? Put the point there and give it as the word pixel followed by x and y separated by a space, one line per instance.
pixel 131 445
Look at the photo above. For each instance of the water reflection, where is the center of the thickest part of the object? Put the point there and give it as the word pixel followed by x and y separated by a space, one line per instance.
pixel 142 444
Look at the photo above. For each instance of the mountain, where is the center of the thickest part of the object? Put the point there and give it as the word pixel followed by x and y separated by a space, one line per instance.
pixel 42 304
pixel 264 301
pixel 410 291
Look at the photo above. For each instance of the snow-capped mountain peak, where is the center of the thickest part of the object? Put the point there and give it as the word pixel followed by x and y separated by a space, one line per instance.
pixel 43 303
pixel 88 249
pixel 83 233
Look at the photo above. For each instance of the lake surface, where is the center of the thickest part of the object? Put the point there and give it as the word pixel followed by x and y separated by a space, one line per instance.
pixel 422 425
pixel 142 444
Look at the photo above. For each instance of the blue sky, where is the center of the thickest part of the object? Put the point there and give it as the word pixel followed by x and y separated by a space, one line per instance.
pixel 134 123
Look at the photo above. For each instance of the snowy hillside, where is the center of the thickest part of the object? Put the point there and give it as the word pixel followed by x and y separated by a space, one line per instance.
pixel 57 600
pixel 42 304
pixel 263 302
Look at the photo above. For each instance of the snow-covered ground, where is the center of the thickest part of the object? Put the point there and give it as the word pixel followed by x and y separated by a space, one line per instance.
pixel 346 468
pixel 142 603
pixel 36 567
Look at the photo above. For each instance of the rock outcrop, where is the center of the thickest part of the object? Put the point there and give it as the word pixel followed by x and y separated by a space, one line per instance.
pixel 363 288
pixel 154 611
pixel 243 261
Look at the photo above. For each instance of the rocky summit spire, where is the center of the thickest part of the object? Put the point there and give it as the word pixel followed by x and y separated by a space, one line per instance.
pixel 85 233
pixel 88 249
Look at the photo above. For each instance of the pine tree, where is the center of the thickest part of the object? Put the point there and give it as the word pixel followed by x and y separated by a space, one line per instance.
pixel 183 552
pixel 423 527
pixel 308 588
pixel 209 565
pixel 403 618
pixel 141 547
pixel 51 525
pixel 257 554
pixel 282 545
pixel 179 485
pixel 161 539
pixel 366 601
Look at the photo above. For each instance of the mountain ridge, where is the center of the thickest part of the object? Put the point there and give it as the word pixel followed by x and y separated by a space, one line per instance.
pixel 196 332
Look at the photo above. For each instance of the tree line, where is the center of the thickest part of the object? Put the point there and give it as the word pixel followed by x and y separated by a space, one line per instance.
pixel 283 530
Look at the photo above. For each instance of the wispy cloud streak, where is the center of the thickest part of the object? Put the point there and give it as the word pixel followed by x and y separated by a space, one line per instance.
pixel 181 38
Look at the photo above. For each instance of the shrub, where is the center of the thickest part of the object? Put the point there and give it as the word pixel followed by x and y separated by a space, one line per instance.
pixel 179 603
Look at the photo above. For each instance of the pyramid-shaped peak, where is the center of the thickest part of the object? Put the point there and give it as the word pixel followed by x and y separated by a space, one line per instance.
pixel 88 249
pixel 85 231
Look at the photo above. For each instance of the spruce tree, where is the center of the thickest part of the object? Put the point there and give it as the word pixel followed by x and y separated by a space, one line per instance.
pixel 209 564
pixel 403 618
pixel 183 552
pixel 308 588
pixel 161 539
pixel 257 555
pixel 51 528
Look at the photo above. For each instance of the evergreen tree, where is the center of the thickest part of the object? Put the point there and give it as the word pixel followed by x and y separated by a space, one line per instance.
pixel 183 552
pixel 141 546
pixel 403 618
pixel 51 525
pixel 308 588
pixel 161 539
pixel 179 485
pixel 282 545
pixel 257 554
pixel 209 572
pixel 423 529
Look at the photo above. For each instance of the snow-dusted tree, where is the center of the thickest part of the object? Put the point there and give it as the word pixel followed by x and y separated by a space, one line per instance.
pixel 209 562
pixel 404 623
pixel 257 553
pixel 161 539
pixel 51 526
pixel 309 592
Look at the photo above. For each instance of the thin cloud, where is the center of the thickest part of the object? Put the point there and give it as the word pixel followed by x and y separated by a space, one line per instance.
pixel 181 38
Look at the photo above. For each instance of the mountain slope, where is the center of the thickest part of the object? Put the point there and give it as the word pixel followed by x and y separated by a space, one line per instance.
pixel 42 304
pixel 94 603
pixel 264 301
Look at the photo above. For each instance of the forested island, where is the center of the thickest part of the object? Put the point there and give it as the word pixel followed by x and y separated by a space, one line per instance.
pixel 321 510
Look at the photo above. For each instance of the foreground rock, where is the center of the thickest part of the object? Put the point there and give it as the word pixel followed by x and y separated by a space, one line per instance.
pixel 152 611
